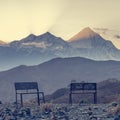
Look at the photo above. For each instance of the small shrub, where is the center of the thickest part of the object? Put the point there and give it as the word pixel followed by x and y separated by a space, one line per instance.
pixel 47 107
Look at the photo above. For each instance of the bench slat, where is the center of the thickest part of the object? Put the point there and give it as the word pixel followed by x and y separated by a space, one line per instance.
pixel 26 85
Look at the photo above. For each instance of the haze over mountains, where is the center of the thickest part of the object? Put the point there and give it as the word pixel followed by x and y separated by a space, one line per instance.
pixel 33 50
pixel 38 49
pixel 85 57
pixel 58 73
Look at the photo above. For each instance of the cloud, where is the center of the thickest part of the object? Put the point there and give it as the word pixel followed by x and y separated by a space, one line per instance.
pixel 41 44
pixel 103 30
pixel 117 36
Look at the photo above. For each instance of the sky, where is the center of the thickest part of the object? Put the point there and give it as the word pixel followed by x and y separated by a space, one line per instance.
pixel 63 18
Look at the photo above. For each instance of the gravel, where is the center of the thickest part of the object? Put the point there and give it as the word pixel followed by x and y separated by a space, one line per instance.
pixel 50 111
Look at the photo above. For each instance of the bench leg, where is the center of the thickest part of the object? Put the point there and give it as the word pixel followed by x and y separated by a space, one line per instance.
pixel 16 98
pixel 43 97
pixel 38 98
pixel 21 98
pixel 95 98
pixel 70 98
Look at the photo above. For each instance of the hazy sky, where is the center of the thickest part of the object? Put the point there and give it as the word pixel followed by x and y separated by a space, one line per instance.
pixel 63 18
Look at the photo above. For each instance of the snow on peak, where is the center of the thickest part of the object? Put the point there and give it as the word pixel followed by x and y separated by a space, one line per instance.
pixel 38 45
pixel 85 33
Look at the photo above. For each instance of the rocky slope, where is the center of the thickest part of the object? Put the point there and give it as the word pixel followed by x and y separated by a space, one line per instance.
pixel 107 92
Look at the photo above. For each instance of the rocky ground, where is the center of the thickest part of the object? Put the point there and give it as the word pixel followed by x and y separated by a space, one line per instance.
pixel 50 111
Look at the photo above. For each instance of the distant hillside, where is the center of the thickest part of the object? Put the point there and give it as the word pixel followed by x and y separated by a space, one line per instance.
pixel 58 73
pixel 108 91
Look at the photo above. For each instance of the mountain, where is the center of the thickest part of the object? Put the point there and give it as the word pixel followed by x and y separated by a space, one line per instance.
pixel 87 38
pixel 42 41
pixel 86 33
pixel 2 42
pixel 45 43
pixel 92 45
pixel 58 73
pixel 33 50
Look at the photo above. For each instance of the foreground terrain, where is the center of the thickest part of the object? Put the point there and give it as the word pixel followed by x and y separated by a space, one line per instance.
pixel 50 111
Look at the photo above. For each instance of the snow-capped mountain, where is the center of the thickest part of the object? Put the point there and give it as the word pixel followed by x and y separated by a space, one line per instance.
pixel 34 50
pixel 42 44
pixel 86 33
pixel 46 40
pixel 92 45
pixel 87 38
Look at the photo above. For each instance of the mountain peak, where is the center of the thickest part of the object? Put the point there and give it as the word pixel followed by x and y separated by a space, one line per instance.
pixel 2 42
pixel 31 36
pixel 47 34
pixel 85 33
pixel 88 30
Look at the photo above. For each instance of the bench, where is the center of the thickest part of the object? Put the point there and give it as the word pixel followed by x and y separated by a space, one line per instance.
pixel 22 88
pixel 83 88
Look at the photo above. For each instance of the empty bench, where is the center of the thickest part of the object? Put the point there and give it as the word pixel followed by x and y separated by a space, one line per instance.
pixel 83 88
pixel 22 88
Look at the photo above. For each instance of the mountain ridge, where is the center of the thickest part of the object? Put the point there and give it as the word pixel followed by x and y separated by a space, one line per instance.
pixel 88 35
pixel 94 46
pixel 58 73
pixel 35 49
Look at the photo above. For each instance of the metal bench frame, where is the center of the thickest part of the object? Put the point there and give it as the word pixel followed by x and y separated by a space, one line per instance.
pixel 83 88
pixel 22 88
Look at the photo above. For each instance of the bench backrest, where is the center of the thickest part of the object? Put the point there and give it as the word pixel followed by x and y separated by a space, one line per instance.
pixel 26 85
pixel 83 86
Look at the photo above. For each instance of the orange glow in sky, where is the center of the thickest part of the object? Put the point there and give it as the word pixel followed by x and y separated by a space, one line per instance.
pixel 63 18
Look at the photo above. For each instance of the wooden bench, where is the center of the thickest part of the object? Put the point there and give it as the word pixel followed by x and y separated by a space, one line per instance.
pixel 28 88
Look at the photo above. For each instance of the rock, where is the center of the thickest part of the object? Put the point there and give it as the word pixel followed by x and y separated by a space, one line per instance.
pixel 114 104
pixel 93 118
pixel 117 117
pixel 59 112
